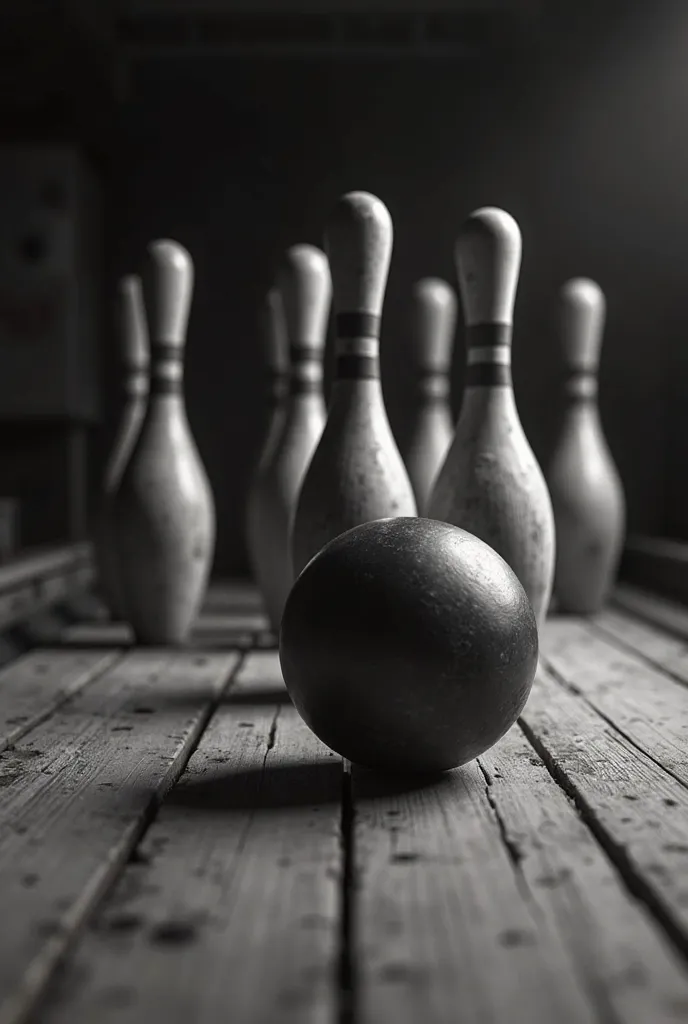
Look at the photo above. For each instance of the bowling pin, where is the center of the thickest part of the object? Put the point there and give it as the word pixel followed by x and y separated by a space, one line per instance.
pixel 490 483
pixel 259 504
pixel 164 516
pixel 133 343
pixel 587 494
pixel 356 473
pixel 306 290
pixel 433 320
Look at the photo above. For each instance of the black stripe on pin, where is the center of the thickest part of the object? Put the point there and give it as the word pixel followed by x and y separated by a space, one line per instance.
pixel 576 398
pixel 572 378
pixel 486 375
pixel 299 386
pixel 164 386
pixel 301 352
pixel 480 335
pixel 357 325
pixel 430 398
pixel 136 390
pixel 578 373
pixel 354 367
pixel 165 350
pixel 427 373
pixel 433 385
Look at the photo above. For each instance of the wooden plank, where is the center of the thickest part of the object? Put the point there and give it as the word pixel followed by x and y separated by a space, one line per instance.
pixel 43 628
pixel 238 638
pixel 444 927
pixel 619 951
pixel 230 612
pixel 36 684
pixel 43 561
pixel 227 618
pixel 235 595
pixel 214 623
pixel 86 606
pixel 266 640
pixel 38 583
pixel 109 634
pixel 96 634
pixel 18 604
pixel 660 547
pixel 51 589
pixel 76 796
pixel 668 615
pixel 11 647
pixel 664 650
pixel 658 563
pixel 649 707
pixel 231 907
pixel 231 606
pixel 31 598
pixel 637 810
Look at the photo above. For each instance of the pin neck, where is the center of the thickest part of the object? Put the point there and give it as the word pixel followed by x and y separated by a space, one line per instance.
pixel 306 375
pixel 162 349
pixel 167 368
pixel 278 386
pixel 432 385
pixel 135 383
pixel 489 355
pixel 304 352
pixel 580 385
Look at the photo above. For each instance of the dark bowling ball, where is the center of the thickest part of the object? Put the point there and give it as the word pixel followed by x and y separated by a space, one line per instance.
pixel 408 645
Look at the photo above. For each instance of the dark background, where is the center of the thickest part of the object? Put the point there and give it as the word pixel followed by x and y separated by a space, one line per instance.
pixel 570 116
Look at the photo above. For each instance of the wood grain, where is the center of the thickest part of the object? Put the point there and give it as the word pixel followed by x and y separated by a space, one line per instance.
pixel 36 684
pixel 230 909
pixel 623 958
pixel 445 927
pixel 75 797
pixel 643 703
pixel 636 809
pixel 665 651
pixel 547 882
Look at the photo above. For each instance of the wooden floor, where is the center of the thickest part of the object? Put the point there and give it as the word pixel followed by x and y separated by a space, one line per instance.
pixel 177 847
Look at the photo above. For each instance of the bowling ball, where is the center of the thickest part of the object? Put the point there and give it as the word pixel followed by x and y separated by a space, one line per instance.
pixel 408 645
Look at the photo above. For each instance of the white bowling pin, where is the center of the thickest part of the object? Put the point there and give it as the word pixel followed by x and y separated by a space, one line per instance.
pixel 306 290
pixel 433 321
pixel 164 516
pixel 356 473
pixel 490 483
pixel 587 494
pixel 260 500
pixel 133 344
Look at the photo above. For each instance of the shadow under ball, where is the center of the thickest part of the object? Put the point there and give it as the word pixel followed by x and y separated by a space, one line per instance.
pixel 408 645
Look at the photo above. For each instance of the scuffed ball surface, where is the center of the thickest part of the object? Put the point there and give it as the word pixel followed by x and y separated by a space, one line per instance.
pixel 408 645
